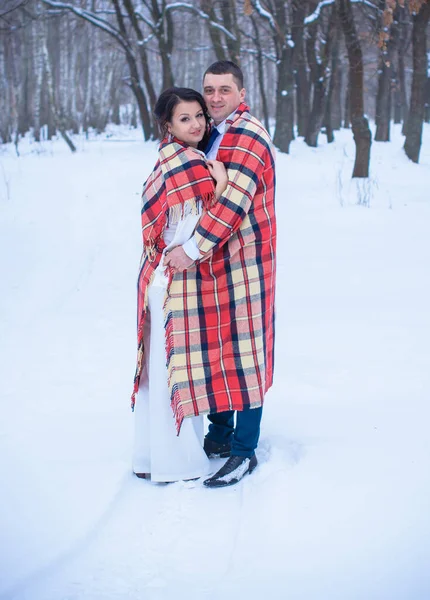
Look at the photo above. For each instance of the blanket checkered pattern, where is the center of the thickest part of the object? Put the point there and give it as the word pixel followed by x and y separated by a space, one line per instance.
pixel 220 312
pixel 179 179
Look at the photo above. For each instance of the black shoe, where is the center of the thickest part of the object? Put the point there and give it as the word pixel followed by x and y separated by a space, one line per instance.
pixel 215 450
pixel 232 472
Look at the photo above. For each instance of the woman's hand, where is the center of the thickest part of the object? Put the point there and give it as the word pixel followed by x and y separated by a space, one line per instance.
pixel 219 173
pixel 177 259
pixel 217 170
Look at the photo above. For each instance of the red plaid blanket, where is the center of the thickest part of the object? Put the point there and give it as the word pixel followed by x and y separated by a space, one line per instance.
pixel 179 178
pixel 220 312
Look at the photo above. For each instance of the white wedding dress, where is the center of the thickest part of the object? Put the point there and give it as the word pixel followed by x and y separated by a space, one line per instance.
pixel 157 448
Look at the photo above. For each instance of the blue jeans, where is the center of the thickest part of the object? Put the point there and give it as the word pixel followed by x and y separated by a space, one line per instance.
pixel 243 437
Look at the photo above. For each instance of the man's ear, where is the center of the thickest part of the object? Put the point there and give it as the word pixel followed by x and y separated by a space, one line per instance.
pixel 242 94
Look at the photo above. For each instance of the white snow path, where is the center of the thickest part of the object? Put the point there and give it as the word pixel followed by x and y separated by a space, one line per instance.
pixel 338 507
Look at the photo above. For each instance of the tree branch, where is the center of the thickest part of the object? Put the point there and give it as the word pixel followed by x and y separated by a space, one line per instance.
pixel 94 19
pixel 312 18
pixel 202 14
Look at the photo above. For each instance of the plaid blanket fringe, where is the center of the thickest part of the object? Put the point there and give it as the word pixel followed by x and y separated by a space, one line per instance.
pixel 172 217
pixel 175 398
pixel 178 184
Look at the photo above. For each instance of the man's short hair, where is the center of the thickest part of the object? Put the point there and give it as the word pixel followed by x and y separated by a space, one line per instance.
pixel 221 67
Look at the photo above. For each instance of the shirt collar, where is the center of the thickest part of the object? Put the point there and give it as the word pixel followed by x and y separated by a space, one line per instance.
pixel 222 125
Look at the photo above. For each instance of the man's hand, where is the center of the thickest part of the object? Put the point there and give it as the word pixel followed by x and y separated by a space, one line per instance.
pixel 177 259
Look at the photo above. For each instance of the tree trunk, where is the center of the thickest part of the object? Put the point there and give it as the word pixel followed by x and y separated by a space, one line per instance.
pixel 13 88
pixel 427 100
pixel 416 112
pixel 144 61
pixel 4 95
pixel 336 101
pixel 50 88
pixel 402 48
pixel 261 75
pixel 72 112
pixel 38 62
pixel 316 117
pixel 134 78
pixel 88 102
pixel 400 102
pixel 329 121
pixel 302 81
pixel 229 15
pixel 114 102
pixel 284 131
pixel 383 103
pixel 386 77
pixel 24 84
pixel 214 34
pixel 347 108
pixel 320 69
pixel 133 119
pixel 164 35
pixel 360 125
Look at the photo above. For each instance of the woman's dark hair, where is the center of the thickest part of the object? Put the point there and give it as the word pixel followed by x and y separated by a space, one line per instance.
pixel 166 103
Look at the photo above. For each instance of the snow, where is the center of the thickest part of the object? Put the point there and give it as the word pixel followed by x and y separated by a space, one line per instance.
pixel 237 473
pixel 338 506
pixel 265 14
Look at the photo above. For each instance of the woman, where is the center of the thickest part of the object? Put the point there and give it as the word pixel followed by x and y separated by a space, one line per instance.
pixel 181 186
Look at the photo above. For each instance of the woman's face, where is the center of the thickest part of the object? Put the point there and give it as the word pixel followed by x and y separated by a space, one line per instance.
pixel 188 123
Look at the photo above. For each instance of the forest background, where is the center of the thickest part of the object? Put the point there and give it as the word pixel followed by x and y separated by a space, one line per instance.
pixel 338 507
pixel 311 67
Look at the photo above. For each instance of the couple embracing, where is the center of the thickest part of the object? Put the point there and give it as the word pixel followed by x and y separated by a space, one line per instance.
pixel 206 286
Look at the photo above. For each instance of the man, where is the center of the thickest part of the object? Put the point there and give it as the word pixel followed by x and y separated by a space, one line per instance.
pixel 235 247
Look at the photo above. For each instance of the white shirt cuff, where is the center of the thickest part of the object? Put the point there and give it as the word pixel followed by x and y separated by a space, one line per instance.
pixel 191 249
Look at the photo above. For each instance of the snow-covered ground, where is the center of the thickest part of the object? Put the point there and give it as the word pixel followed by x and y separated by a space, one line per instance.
pixel 339 506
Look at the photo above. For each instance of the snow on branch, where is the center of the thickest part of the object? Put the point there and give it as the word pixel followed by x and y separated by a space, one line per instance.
pixel 265 14
pixel 110 12
pixel 145 40
pixel 142 17
pixel 270 57
pixel 92 18
pixel 317 12
pixel 202 14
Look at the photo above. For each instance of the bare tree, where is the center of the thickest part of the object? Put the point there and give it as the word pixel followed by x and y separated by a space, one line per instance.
pixel 279 20
pixel 320 71
pixel 388 41
pixel 58 118
pixel 107 60
pixel 400 96
pixel 417 106
pixel 300 11
pixel 360 125
pixel 333 117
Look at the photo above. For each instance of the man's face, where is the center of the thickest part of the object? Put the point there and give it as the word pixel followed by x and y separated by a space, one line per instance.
pixel 222 95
